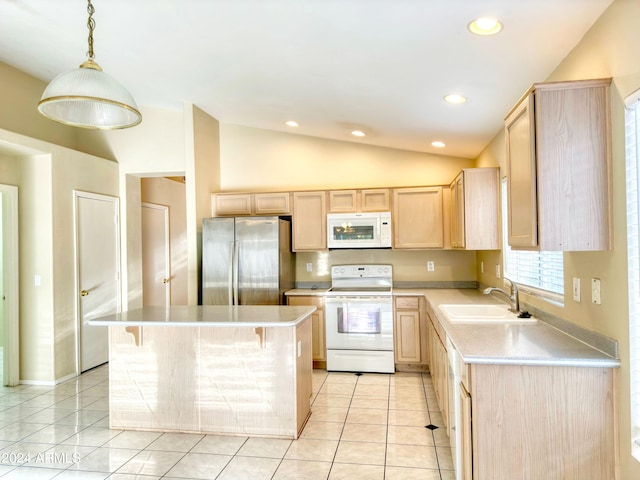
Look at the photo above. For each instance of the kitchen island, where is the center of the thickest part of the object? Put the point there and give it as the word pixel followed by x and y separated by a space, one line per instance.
pixel 243 370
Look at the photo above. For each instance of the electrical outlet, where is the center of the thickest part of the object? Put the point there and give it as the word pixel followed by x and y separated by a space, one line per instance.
pixel 595 291
pixel 498 275
pixel 309 267
pixel 481 267
pixel 576 289
pixel 431 266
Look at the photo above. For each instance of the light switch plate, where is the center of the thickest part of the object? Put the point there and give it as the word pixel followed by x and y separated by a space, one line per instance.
pixel 595 291
pixel 576 289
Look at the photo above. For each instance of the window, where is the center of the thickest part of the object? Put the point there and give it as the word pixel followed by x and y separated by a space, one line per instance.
pixel 632 134
pixel 541 273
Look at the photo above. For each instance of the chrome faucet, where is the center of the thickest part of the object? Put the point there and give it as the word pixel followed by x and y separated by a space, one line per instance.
pixel 512 297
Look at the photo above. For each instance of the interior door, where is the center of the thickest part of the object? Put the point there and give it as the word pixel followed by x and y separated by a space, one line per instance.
pixel 156 263
pixel 98 272
pixel 9 285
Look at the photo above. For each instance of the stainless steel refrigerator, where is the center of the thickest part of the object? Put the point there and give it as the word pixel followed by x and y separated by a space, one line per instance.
pixel 246 260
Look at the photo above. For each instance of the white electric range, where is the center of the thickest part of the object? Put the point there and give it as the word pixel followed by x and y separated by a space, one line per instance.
pixel 359 319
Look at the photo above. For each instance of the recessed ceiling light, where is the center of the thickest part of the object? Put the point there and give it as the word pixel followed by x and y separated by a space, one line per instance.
pixel 455 98
pixel 485 26
pixel 291 123
pixel 358 133
pixel 438 144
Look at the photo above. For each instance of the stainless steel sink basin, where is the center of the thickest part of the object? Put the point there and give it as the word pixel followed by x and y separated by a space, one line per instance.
pixel 481 313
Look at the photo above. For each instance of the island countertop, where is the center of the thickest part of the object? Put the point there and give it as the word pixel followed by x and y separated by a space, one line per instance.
pixel 209 316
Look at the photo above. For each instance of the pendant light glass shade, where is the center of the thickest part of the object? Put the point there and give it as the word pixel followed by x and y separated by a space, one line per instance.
pixel 89 98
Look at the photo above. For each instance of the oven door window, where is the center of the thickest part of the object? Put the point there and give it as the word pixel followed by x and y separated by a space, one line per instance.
pixel 347 231
pixel 353 318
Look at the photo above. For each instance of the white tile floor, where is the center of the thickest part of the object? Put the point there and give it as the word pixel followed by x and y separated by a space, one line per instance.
pixel 362 427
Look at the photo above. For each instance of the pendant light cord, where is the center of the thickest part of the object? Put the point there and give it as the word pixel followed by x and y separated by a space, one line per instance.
pixel 91 24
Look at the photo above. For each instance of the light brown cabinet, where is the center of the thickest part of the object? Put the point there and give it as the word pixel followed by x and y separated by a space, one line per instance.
pixel 309 221
pixel 439 366
pixel 407 331
pixel 318 333
pixel 566 412
pixel 475 209
pixel 272 203
pixel 348 201
pixel 418 218
pixel 236 204
pixel 230 204
pixel 559 171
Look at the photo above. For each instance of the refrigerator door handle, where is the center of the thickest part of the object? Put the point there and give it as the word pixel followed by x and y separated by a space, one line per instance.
pixel 230 274
pixel 236 268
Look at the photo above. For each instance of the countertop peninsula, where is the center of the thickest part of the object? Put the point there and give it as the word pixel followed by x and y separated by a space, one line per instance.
pixel 239 370
pixel 208 316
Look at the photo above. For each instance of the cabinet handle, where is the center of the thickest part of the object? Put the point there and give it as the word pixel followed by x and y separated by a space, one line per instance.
pixel 165 280
pixel 84 293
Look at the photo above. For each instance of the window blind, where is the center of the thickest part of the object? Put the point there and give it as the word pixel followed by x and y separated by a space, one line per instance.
pixel 544 271
pixel 632 134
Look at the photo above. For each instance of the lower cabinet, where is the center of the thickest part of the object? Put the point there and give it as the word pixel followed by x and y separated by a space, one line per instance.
pixel 439 367
pixel 410 342
pixel 528 421
pixel 553 422
pixel 318 333
pixel 466 443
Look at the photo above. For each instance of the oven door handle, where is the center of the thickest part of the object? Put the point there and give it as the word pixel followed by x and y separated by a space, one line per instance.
pixel 346 299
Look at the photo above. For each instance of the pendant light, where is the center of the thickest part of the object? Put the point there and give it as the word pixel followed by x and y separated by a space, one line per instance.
pixel 89 98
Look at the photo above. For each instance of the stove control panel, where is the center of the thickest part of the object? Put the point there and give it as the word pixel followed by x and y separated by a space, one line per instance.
pixel 361 271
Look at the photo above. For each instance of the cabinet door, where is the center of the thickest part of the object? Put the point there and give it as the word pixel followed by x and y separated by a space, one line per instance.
pixel 573 154
pixel 407 336
pixel 521 175
pixel 417 217
pixel 231 204
pixel 374 200
pixel 466 444
pixel 309 221
pixel 272 203
pixel 343 201
pixel 318 333
pixel 457 212
pixel 479 209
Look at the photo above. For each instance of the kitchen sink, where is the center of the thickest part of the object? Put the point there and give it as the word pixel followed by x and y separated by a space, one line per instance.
pixel 482 313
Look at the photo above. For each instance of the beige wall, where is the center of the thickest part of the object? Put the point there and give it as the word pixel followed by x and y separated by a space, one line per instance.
pixel 46 175
pixel 262 160
pixel 609 49
pixel 202 149
pixel 19 112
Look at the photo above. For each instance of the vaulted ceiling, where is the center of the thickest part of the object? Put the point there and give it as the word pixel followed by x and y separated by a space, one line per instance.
pixel 334 66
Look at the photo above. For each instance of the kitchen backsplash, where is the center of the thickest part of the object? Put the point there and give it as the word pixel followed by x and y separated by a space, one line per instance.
pixel 408 265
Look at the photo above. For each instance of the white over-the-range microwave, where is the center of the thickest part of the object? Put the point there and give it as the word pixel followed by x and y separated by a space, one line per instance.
pixel 359 230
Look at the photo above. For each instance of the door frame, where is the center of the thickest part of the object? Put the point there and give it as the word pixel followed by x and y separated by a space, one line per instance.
pixel 77 195
pixel 11 277
pixel 167 250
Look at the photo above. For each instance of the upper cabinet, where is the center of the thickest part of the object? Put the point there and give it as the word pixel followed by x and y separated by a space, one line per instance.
pixel 309 221
pixel 558 140
pixel 348 201
pixel 226 204
pixel 417 217
pixel 475 209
